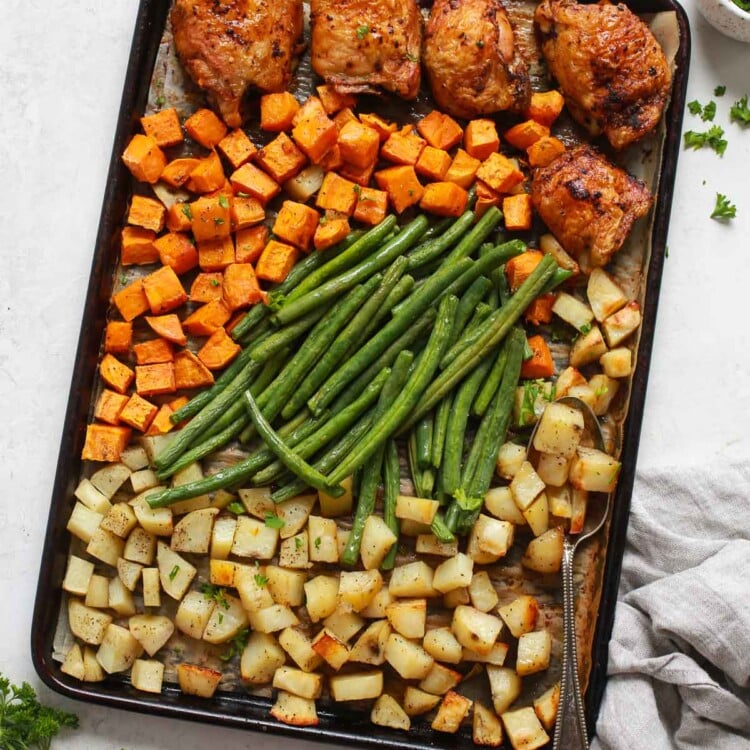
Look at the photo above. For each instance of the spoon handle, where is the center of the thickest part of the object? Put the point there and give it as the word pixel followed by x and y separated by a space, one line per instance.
pixel 570 728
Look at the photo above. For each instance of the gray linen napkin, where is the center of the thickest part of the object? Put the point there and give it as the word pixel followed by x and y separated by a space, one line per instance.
pixel 679 659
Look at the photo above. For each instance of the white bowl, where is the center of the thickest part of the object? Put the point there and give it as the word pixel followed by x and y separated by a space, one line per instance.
pixel 727 18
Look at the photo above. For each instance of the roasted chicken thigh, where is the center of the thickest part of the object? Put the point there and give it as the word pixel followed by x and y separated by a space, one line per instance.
pixel 612 71
pixel 360 46
pixel 232 46
pixel 471 59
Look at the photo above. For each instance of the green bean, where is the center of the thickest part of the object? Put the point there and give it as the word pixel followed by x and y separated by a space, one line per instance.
pixel 432 249
pixel 466 306
pixel 285 336
pixel 423 434
pixel 441 530
pixel 440 430
pixel 479 233
pixel 391 489
pixel 561 275
pixel 490 385
pixel 438 228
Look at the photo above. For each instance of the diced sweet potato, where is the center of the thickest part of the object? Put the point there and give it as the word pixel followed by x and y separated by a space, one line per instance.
pixel 525 134
pixel 249 179
pixel 105 442
pixel 246 212
pixel 241 287
pixel 440 130
pixel 118 336
pixel 333 101
pixel 463 169
pixel 208 175
pixel 147 213
pixel 481 138
pixel 402 186
pixel 519 268
pixel 168 327
pixel 211 217
pixel 517 212
pixel 138 412
pixel 433 163
pixel 161 424
pixel 330 232
pixel 137 247
pixel 281 158
pixel 163 291
pixel 115 374
pixel 337 194
pixel 277 111
pixel 190 372
pixel 545 107
pixel 275 262
pixel 403 147
pixel 250 243
pixel 177 251
pixel 296 223
pixel 540 310
pixel 372 206
pixel 311 108
pixel 359 175
pixel 332 161
pixel 383 127
pixel 144 158
pixel 206 287
pixel 207 318
pixel 237 147
pixel 156 379
pixel 359 144
pixel 540 365
pixel 216 255
pixel 315 134
pixel 205 127
pixel 153 351
pixel 500 173
pixel 444 199
pixel 131 301
pixel 219 350
pixel 179 218
pixel 177 172
pixel 343 117
pixel 486 197
pixel 163 127
pixel 109 405
pixel 544 151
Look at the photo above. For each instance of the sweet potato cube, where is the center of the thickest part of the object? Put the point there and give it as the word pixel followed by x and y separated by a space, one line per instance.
pixel 540 310
pixel 344 116
pixel 433 163
pixel 206 287
pixel 333 100
pixel 402 186
pixel 153 351
pixel 545 107
pixel 403 147
pixel 215 255
pixel 444 199
pixel 168 327
pixel 359 144
pixel 525 134
pixel 377 123
pixel 208 175
pixel 330 232
pixel 296 223
pixel 177 251
pixel 332 161
pixel 105 442
pixel 241 287
pixel 486 197
pixel 372 206
pixel 277 111
pixel 311 109
pixel 544 151
pixel 250 243
pixel 219 350
pixel 281 158
pixel 207 318
pixel 163 127
pixel 237 147
pixel 517 211
pixel 161 424
pixel 144 158
pixel 463 169
pixel 137 247
pixel 519 268
pixel 131 301
pixel 205 127
pixel 138 412
pixel 275 262
pixel 190 372
pixel 500 173
pixel 359 175
pixel 115 374
pixel 249 179
pixel 211 217
pixel 440 130
pixel 118 336
pixel 177 172
pixel 246 211
pixel 315 134
pixel 481 138
pixel 109 405
pixel 147 213
pixel 337 194
pixel 540 364
pixel 163 290
pixel 179 218
pixel 157 379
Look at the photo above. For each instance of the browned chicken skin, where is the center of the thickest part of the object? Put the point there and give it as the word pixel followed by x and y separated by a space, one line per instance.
pixel 589 204
pixel 231 46
pixel 360 46
pixel 471 60
pixel 611 69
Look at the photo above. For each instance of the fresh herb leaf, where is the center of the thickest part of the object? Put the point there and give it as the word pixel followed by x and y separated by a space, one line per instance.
pixel 740 112
pixel 217 593
pixel 218 221
pixel 713 138
pixel 323 220
pixel 173 573
pixel 480 44
pixel 237 508
pixel 261 580
pixel 743 5
pixel 530 395
pixel 160 101
pixel 720 91
pixel 357 189
pixel 185 208
pixel 600 391
pixel 298 543
pixel 123 279
pixel 706 113
pixel 695 107
pixel 221 617
pixel 236 645
pixel 317 542
pixel 223 202
pixel 723 209
pixel 585 328
pixel 363 31
pixel 214 282
pixel 273 521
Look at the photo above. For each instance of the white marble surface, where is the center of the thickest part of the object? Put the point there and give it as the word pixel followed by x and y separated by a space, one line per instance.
pixel 62 67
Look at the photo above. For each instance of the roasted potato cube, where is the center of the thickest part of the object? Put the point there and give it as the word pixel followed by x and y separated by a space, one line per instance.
pixel 496 655
pixel 273 618
pixel 534 651
pixel 192 533
pixel 129 573
pixel 175 572
pixel 321 539
pixel 412 580
pixel 194 613
pixel 293 710
pixel 92 498
pixel 559 431
pixel 344 623
pixel 254 539
pixel 86 623
pixel 120 520
pixel 526 486
pixel 486 728
pixel 617 363
pixel 621 325
pixel 409 659
pixel 261 657
pixel 147 675
pixel 332 507
pixel 377 540
pixel 537 515
pixel 295 681
pixel 78 576
pixel 97 594
pixel 375 610
pixel 118 649
pixel 429 544
pixel 418 702
pixel 499 502
pixel 452 711
pixel 222 537
pixel 505 686
pixel 386 712
pixel 295 552
pixel 482 592
pixel 357 588
pixel 605 389
pixel 294 513
pixel 299 647
pixel 73 663
pixel 419 509
pixel 151 631
pixel 475 630
pixel 157 521
pixel 357 686
pixel 84 522
pixel 553 469
pixel 370 646
pixel 545 706
pixel 195 680
pixel 252 585
pixel 524 730
pixel 331 648
pixel 120 599
pixel 520 615
pixel 440 679
pixel 408 617
pixel 454 573
pixel 491 536
pixel 92 670
pixel 587 348
pixel 593 470
pixel 510 458
pixel 572 310
pixel 226 620
pixel 140 547
pixel 544 553
pixel 604 294
pixel 287 587
pixel 441 644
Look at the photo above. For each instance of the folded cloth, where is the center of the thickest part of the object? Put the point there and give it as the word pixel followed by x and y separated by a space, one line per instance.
pixel 679 658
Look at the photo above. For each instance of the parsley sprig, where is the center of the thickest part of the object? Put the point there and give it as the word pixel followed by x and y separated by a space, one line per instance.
pixel 724 209
pixel 706 113
pixel 713 138
pixel 740 112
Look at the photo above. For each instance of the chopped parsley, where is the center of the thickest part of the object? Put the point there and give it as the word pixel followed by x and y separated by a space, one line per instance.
pixel 123 279
pixel 720 91
pixel 298 542
pixel 160 101
pixel 600 391
pixel 363 31
pixel 713 138
pixel 273 521
pixel 173 573
pixel 480 44
pixel 740 112
pixel 261 580
pixel 236 645
pixel 237 508
pixel 185 208
pixel 585 328
pixel 743 5
pixel 217 593
pixel 357 189
pixel 218 221
pixel 706 113
pixel 317 542
pixel 214 282
pixel 723 209
pixel 223 202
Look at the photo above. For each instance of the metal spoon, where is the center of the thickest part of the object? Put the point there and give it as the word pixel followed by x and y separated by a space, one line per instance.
pixel 570 726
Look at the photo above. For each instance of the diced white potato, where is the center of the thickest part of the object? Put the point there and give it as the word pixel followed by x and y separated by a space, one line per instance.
pixel 254 539
pixel 92 498
pixel 321 596
pixel 73 663
pixel 572 310
pixel 475 630
pixel 134 457
pixel 407 527
pixel 408 617
pixel 559 430
pixel 196 680
pixel 344 623
pixel 221 499
pixel 342 539
pixel 566 380
pixel 492 536
pixel 222 572
pixel 194 613
pixel 482 592
pixel 295 681
pixel 140 547
pixel 294 513
pixel 604 294
pixel 587 348
pixel 486 729
pixel 286 587
pixel 222 537
pixel 375 610
pixel 524 730
pixel 520 615
pixel 299 647
pixel 457 597
pixel 120 520
pixel 110 478
pixel 386 712
pixel 419 509
pixel 357 686
pixel 617 362
pixel 157 521
pixel 377 540
pixel 505 687
pixel 544 553
pixel 332 507
pixel 594 470
pixel 305 184
pixel 357 588
pixel 559 501
pixel 429 544
pixel 496 655
pixel 294 552
pixel 151 631
pixel 537 515
pixel 370 646
pixel 92 670
pixel 272 619
pixel 120 599
pixel 553 469
pixel 78 576
pixel 549 245
pixel 605 389
pixel 534 651
pixel 408 658
pixel 619 326
pixel 192 533
pixel 191 473
pixel 440 679
pixel 321 539
pixel 453 709
pixel 441 644
pixel 499 502
pixel 106 546
pixel 417 702
pixel 545 706
pixel 584 392
pixel 226 621
pixel 153 445
pixel 118 649
pixel 293 710
pixel 151 587
pixel 97 594
pixel 147 675
pixel 257 501
pixel 510 458
pixel 129 573
pixel 83 522
pixel 412 580
pixel 261 657
pixel 331 649
pixel 578 505
pixel 143 480
pixel 175 572
pixel 454 573
pixel 526 486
